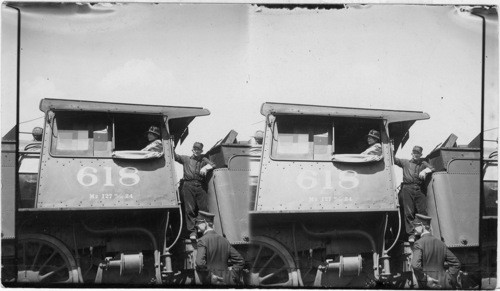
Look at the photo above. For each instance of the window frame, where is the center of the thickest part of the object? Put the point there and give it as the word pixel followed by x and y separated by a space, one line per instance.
pixel 380 126
pixel 112 125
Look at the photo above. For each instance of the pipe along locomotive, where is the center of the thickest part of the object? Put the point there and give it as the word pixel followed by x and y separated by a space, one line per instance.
pixel 81 213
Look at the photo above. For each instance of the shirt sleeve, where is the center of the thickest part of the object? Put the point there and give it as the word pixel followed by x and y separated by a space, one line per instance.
pixel 201 255
pixel 416 263
pixel 235 258
pixel 398 162
pixel 427 165
pixel 178 158
pixel 155 146
pixel 151 147
pixel 207 161
pixel 375 149
pixel 453 263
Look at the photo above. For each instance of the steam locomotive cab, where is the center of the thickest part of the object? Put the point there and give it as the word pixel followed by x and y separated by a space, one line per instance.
pixel 93 207
pixel 327 214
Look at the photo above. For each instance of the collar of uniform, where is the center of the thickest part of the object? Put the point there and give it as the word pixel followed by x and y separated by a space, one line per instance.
pixel 197 158
pixel 208 230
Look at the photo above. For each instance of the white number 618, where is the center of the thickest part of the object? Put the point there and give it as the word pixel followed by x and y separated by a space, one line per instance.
pixel 128 176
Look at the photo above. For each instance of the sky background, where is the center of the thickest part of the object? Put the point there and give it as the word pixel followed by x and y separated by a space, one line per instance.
pixel 231 58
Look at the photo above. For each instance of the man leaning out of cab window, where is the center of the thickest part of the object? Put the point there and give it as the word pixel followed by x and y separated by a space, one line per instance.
pixel 155 145
pixel 374 146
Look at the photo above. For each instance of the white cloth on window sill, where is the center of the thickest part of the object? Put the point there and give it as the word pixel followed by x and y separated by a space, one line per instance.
pixel 374 149
pixel 356 158
pixel 154 146
pixel 136 155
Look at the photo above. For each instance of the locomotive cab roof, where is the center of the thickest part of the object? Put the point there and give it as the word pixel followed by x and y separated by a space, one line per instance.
pixel 399 121
pixel 179 116
pixel 173 112
pixel 390 115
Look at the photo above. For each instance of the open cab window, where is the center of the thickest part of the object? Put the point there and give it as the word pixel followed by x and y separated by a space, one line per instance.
pixel 83 134
pixel 321 137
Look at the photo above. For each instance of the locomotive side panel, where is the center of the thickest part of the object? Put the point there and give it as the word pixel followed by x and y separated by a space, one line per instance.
pixel 314 164
pixel 325 187
pixel 104 183
pixel 453 202
pixel 77 169
pixel 229 194
pixel 229 189
pixel 8 190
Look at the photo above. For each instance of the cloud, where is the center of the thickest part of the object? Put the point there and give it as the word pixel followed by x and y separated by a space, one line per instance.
pixel 137 81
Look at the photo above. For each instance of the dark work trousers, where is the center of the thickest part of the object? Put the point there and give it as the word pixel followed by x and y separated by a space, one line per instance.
pixel 195 199
pixel 413 202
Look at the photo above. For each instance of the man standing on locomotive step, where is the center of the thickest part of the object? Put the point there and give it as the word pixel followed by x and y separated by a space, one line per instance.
pixel 213 253
pixel 193 193
pixel 413 198
pixel 429 258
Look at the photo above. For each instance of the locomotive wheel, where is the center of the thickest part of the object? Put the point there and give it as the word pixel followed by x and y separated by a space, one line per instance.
pixel 270 264
pixel 44 259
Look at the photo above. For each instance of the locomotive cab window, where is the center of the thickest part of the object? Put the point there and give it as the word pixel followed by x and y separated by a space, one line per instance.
pixel 81 134
pixel 84 134
pixel 131 130
pixel 320 137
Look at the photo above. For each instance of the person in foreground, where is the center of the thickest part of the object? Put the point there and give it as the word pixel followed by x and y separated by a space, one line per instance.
pixel 213 254
pixel 194 195
pixel 412 189
pixel 429 258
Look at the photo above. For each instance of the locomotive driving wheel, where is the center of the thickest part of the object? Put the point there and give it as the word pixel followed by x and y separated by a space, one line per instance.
pixel 44 259
pixel 270 264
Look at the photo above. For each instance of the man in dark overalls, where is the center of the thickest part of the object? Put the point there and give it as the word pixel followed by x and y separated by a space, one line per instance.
pixel 214 254
pixel 412 196
pixel 429 258
pixel 193 193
